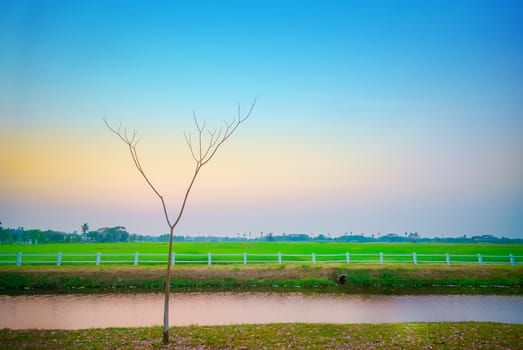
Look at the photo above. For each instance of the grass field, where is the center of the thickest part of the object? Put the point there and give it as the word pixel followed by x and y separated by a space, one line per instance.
pixel 268 247
pixel 301 251
pixel 463 335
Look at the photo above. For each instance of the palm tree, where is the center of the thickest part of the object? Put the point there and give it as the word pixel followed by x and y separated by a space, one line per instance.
pixel 85 229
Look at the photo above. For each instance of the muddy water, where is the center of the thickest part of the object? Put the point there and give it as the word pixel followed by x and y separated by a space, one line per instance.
pixel 87 311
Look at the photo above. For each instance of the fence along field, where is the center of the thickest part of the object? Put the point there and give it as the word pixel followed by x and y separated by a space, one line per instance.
pixel 259 253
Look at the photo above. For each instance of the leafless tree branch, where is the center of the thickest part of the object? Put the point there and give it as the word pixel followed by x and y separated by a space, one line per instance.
pixel 131 144
pixel 218 136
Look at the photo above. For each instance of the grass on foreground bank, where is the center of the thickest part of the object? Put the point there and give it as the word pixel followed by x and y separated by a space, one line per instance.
pixel 397 279
pixel 465 335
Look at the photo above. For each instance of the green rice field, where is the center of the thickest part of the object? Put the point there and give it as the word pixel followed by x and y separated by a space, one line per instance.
pixel 259 252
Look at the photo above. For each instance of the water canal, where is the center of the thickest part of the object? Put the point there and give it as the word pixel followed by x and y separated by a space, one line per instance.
pixel 137 310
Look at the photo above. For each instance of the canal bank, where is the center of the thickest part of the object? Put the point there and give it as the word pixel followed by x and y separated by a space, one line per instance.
pixel 342 278
pixel 465 335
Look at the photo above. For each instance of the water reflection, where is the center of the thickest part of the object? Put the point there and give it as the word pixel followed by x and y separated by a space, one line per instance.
pixel 86 311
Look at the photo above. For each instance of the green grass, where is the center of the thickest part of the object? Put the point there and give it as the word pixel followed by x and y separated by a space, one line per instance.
pixel 375 279
pixel 305 248
pixel 268 247
pixel 462 335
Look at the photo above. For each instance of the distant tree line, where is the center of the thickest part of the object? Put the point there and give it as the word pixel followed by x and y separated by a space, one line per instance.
pixel 389 237
pixel 118 234
pixel 20 235
pixel 102 235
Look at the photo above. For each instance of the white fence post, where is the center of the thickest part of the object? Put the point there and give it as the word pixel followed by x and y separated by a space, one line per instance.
pixel 98 258
pixel 59 259
pixel 511 257
pixel 19 259
pixel 347 255
pixel 136 259
pixel 480 259
pixel 173 258
pixel 209 259
pixel 447 258
pixel 381 258
pixel 244 258
pixel 414 258
pixel 279 258
pixel 313 258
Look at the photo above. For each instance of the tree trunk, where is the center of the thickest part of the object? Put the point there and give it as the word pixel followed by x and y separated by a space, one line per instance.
pixel 167 290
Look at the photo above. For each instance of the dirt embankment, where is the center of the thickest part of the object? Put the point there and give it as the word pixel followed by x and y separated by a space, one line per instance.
pixel 359 278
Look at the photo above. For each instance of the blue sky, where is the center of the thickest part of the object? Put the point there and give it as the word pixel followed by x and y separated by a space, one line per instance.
pixel 372 116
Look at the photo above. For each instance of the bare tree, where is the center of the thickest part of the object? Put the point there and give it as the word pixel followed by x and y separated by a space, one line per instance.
pixel 203 149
